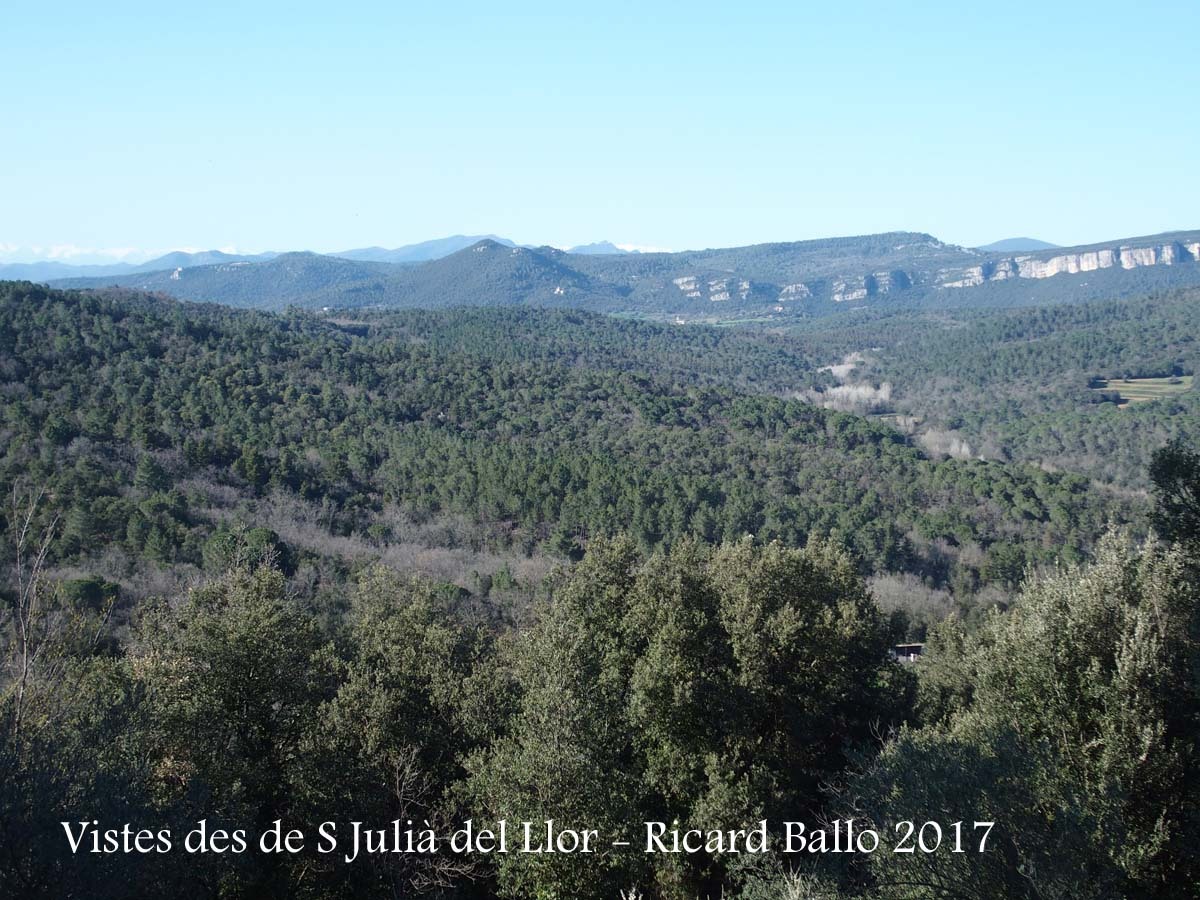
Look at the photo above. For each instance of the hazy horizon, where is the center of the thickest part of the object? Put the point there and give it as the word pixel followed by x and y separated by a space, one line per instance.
pixel 11 254
pixel 284 126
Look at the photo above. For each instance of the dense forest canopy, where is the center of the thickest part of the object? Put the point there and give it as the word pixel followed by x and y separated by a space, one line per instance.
pixel 153 424
pixel 1023 384
pixel 522 563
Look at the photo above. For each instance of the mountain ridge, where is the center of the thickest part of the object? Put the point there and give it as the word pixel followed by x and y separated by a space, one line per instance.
pixel 1017 245
pixel 598 248
pixel 777 279
pixel 45 270
pixel 423 251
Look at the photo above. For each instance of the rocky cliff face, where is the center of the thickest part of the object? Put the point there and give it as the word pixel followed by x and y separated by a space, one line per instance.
pixel 919 274
pixel 872 285
pixel 1167 254
pixel 717 289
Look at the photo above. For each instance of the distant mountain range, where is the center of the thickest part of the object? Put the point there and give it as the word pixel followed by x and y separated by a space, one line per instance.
pixel 442 247
pixel 1017 245
pixel 762 280
pixel 600 248
pixel 409 254
pixel 47 271
pixel 422 252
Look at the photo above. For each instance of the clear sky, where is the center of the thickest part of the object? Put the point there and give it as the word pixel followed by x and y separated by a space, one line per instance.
pixel 154 126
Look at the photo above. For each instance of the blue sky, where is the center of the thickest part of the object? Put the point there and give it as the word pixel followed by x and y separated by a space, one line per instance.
pixel 133 127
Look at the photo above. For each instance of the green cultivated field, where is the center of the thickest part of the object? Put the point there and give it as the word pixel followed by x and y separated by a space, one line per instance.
pixel 1135 390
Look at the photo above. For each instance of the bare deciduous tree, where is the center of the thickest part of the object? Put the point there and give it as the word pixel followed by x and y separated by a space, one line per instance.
pixel 44 634
pixel 32 616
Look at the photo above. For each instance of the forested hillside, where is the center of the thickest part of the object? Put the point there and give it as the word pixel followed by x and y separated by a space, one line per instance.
pixel 1042 385
pixel 529 564
pixel 156 425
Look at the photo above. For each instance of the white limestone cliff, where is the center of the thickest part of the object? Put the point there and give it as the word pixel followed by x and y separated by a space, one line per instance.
pixel 1166 254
